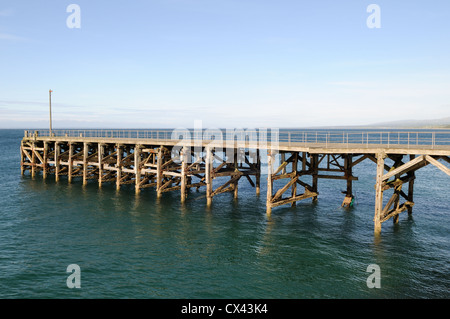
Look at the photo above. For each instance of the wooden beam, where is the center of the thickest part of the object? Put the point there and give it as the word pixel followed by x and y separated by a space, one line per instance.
pixel 250 180
pixel 352 178
pixel 283 164
pixel 359 160
pixel 284 188
pixel 445 158
pixel 396 211
pixel 306 195
pixel 38 156
pixel 231 181
pixel 283 176
pixel 306 186
pixel 397 182
pixel 439 165
pixel 403 168
pixel 27 155
pixel 373 159
pixel 391 201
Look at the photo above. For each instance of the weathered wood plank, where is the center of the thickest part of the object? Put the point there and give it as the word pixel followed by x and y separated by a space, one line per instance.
pixel 284 188
pixel 403 168
pixel 294 199
pixel 439 165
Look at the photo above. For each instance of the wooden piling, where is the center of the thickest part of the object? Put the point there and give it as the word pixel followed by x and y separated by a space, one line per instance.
pixel 22 166
pixel 379 192
pixel 85 162
pixel 159 172
pixel 412 175
pixel 57 160
pixel 100 149
pixel 236 170
pixel 208 177
pixel 269 182
pixel 294 171
pixel 258 173
pixel 118 165
pixel 183 158
pixel 315 172
pixel 70 163
pixel 45 164
pixel 33 160
pixel 137 167
pixel 348 173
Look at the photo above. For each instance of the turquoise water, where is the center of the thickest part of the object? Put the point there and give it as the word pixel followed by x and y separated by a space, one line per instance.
pixel 130 246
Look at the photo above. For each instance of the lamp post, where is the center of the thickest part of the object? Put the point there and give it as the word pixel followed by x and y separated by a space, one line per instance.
pixel 50 110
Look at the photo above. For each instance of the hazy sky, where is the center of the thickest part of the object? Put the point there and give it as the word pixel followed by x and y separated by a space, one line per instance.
pixel 229 63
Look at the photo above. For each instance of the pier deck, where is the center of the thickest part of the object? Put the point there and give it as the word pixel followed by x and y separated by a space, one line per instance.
pixel 296 160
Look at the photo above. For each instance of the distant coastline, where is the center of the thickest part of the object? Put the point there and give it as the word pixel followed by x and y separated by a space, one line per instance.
pixel 433 124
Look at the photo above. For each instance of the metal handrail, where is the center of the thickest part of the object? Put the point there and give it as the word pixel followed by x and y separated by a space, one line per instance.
pixel 292 137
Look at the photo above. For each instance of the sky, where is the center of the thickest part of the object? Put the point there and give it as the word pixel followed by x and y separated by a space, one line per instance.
pixel 227 63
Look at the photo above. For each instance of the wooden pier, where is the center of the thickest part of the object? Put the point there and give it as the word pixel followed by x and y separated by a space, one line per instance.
pixel 295 160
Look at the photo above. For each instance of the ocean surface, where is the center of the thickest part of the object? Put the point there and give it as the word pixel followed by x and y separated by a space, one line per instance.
pixel 133 246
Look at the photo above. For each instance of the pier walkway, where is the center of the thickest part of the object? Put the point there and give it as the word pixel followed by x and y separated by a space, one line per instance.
pixel 178 160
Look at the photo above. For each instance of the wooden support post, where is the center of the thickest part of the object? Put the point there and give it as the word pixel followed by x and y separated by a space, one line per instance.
pixel 22 167
pixel 100 149
pixel 397 191
pixel 235 184
pixel 304 162
pixel 137 166
pixel 118 166
pixel 183 158
pixel 85 162
pixel 269 182
pixel 397 202
pixel 45 165
pixel 315 173
pixel 379 192
pixel 57 160
pixel 294 186
pixel 348 176
pixel 283 159
pixel 349 173
pixel 70 163
pixel 258 173
pixel 208 177
pixel 159 175
pixel 411 186
pixel 33 160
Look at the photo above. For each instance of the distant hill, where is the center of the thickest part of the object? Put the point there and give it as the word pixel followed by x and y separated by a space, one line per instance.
pixel 435 123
